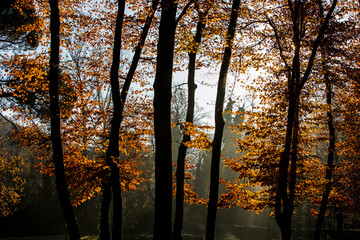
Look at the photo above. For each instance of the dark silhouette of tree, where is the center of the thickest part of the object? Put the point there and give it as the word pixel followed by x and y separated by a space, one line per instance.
pixel 180 170
pixel 112 153
pixel 120 99
pixel 285 193
pixel 162 121
pixel 219 124
pixel 58 157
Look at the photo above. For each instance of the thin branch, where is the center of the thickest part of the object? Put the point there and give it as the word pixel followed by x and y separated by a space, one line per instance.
pixel 316 45
pixel 183 12
pixel 179 85
pixel 278 42
pixel 6 95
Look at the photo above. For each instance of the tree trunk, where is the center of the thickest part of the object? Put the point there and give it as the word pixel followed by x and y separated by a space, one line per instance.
pixel 330 161
pixel 104 212
pixel 180 171
pixel 219 125
pixel 60 176
pixel 119 108
pixel 162 122
pixel 284 202
pixel 112 153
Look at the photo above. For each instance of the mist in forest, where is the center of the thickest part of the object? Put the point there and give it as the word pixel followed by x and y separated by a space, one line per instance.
pixel 39 213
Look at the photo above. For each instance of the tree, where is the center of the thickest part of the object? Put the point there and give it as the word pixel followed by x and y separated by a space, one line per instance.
pixel 162 120
pixel 180 170
pixel 112 152
pixel 86 121
pixel 219 124
pixel 58 158
pixel 281 133
pixel 119 102
pixel 285 194
pixel 324 49
pixel 337 81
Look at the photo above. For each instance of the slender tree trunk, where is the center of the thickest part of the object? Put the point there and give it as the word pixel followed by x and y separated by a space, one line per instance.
pixel 180 175
pixel 180 171
pixel 284 202
pixel 219 124
pixel 120 103
pixel 60 176
pixel 330 160
pixel 104 212
pixel 284 205
pixel 284 218
pixel 162 122
pixel 112 153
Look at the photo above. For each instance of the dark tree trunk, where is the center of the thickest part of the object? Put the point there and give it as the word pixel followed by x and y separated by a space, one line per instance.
pixel 284 202
pixel 180 171
pixel 120 103
pixel 162 124
pixel 219 125
pixel 104 212
pixel 330 160
pixel 112 153
pixel 58 157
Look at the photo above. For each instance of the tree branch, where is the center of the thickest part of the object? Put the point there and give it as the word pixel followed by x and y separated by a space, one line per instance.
pixel 183 12
pixel 278 42
pixel 316 45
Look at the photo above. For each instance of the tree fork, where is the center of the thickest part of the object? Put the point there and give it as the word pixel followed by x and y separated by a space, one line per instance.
pixel 112 153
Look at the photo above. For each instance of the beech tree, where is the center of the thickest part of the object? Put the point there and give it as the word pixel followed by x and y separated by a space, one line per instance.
pixel 162 120
pixel 219 124
pixel 293 181
pixel 58 157
pixel 333 60
pixel 285 193
pixel 180 170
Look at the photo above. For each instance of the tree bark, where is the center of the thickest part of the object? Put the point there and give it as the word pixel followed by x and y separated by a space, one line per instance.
pixel 104 212
pixel 60 176
pixel 180 170
pixel 112 153
pixel 330 160
pixel 162 122
pixel 219 124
